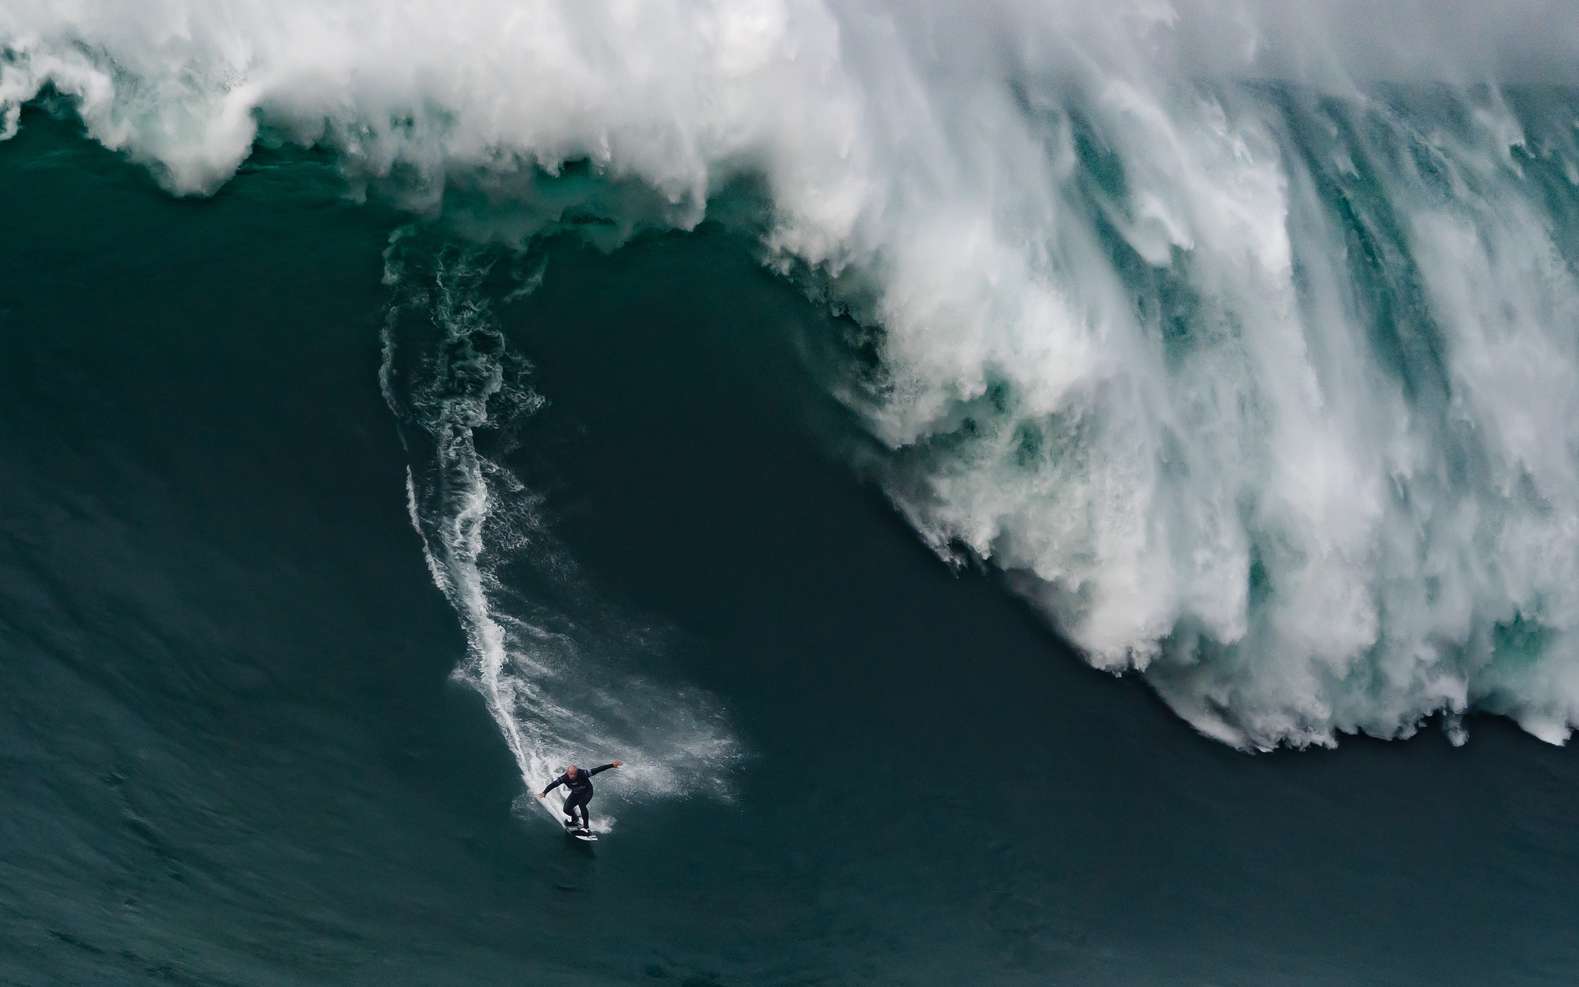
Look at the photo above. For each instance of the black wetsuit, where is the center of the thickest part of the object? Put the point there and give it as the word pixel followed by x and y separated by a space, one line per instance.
pixel 580 792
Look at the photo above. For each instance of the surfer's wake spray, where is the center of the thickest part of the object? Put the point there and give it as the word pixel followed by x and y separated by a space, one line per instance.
pixel 540 676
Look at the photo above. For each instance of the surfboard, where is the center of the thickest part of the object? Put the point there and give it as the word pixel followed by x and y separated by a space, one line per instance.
pixel 555 807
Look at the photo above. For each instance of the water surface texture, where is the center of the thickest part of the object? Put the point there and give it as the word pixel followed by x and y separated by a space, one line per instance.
pixel 1045 494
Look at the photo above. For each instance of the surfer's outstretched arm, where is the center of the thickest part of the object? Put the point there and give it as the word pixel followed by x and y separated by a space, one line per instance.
pixel 551 786
pixel 604 767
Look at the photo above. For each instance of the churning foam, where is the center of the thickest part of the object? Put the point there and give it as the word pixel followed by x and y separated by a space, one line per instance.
pixel 1245 344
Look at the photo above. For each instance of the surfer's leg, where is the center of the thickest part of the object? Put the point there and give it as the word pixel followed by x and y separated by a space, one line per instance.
pixel 573 803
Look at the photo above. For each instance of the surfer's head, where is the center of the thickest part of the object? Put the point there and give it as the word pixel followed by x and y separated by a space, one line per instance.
pixel 570 772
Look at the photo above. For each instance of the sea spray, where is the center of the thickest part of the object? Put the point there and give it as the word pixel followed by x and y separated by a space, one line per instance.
pixel 543 677
pixel 1243 344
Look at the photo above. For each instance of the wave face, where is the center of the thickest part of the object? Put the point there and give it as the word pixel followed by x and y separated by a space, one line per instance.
pixel 558 689
pixel 1244 344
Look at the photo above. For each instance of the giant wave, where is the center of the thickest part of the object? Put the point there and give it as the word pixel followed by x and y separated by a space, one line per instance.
pixel 1244 343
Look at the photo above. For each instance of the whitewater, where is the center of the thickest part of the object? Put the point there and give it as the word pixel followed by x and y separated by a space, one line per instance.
pixel 1243 340
pixel 558 691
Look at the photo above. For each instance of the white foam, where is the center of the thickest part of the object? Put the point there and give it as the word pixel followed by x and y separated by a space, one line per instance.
pixel 1293 536
pixel 554 699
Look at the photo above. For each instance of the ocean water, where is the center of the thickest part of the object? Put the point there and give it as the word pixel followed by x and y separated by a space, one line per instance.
pixel 1091 502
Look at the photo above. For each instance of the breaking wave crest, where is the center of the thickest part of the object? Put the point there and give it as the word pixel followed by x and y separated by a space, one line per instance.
pixel 1247 346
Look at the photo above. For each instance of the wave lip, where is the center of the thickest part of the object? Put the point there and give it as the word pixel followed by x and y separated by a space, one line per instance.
pixel 1244 344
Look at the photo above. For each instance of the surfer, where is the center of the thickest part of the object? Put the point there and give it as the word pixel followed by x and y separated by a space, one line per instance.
pixel 579 784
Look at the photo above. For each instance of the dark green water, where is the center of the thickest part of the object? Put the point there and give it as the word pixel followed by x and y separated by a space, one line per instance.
pixel 232 751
